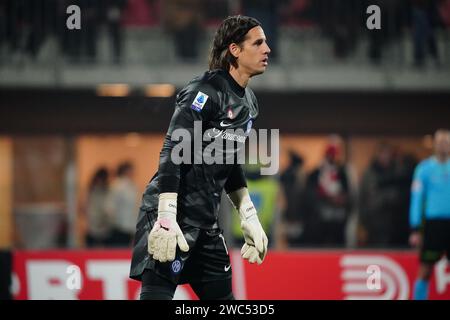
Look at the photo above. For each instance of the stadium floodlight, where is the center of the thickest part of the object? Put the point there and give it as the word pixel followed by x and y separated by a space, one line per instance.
pixel 113 90
pixel 163 90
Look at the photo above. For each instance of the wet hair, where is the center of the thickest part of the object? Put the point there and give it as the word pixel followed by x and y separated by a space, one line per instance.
pixel 233 29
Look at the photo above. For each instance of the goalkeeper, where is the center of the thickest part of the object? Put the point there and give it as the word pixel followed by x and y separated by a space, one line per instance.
pixel 178 239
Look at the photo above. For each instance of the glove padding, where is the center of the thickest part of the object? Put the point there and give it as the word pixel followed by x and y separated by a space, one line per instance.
pixel 166 233
pixel 255 246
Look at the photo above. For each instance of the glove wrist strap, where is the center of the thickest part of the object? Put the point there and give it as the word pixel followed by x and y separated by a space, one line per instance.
pixel 167 205
pixel 247 212
pixel 243 203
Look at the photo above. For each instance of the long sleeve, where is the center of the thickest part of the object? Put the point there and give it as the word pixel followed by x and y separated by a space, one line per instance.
pixel 192 105
pixel 236 180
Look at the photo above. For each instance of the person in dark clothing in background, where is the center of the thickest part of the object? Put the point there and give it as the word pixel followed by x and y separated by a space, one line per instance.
pixel 328 201
pixel 293 181
pixel 379 197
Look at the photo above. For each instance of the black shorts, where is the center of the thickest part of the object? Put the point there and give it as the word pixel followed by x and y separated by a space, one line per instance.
pixel 206 260
pixel 436 240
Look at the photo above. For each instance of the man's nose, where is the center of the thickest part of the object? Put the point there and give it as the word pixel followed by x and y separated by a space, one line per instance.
pixel 267 49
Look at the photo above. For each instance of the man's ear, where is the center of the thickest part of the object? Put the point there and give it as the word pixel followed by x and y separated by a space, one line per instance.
pixel 234 49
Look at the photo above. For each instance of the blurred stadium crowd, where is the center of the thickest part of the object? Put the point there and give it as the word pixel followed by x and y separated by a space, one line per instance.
pixel 28 26
pixel 324 205
pixel 329 207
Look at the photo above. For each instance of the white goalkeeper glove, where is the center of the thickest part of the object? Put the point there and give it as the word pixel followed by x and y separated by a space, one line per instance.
pixel 166 233
pixel 255 246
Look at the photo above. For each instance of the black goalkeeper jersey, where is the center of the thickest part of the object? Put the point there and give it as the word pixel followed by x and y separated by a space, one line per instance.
pixel 225 112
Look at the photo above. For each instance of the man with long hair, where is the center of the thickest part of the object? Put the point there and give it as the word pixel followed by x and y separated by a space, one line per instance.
pixel 178 239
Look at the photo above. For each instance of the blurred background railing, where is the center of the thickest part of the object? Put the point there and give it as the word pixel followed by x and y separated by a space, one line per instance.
pixel 314 42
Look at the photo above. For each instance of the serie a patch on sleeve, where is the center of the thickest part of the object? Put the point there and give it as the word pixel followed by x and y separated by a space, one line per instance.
pixel 199 101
